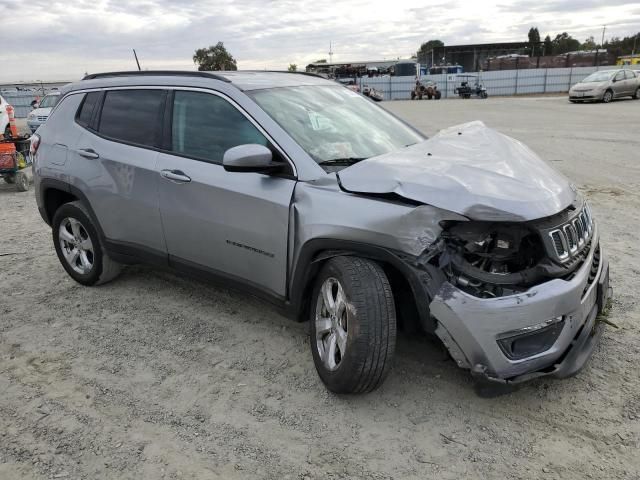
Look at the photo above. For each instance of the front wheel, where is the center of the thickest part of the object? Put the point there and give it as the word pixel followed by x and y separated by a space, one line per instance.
pixel 10 178
pixel 637 94
pixel 79 247
pixel 353 325
pixel 608 96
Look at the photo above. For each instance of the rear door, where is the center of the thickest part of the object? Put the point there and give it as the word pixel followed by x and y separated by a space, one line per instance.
pixel 228 223
pixel 619 85
pixel 631 81
pixel 114 165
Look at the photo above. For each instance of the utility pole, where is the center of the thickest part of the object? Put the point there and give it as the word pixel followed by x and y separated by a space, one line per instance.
pixel 330 53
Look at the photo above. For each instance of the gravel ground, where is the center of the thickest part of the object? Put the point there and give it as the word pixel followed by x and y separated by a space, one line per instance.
pixel 159 376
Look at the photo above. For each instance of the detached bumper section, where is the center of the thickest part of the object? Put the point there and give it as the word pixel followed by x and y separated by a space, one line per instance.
pixel 548 330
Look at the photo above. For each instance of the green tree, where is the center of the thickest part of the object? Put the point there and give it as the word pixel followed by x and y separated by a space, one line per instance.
pixel 292 67
pixel 547 46
pixel 589 44
pixel 534 41
pixel 215 57
pixel 424 52
pixel 564 43
pixel 322 60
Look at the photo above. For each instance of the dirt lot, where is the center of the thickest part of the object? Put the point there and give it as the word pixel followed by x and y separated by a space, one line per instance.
pixel 158 376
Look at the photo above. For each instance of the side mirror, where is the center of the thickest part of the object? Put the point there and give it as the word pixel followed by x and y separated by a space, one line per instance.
pixel 250 158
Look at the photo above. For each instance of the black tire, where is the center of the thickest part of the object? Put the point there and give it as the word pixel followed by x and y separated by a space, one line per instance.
pixel 7 132
pixel 637 94
pixel 438 95
pixel 103 268
pixel 22 181
pixel 369 322
pixel 10 179
pixel 608 96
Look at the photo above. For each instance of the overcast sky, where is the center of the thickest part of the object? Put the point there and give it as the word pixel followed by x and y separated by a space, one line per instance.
pixel 60 40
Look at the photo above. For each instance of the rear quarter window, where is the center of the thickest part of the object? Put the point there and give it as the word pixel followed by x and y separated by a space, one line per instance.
pixel 87 106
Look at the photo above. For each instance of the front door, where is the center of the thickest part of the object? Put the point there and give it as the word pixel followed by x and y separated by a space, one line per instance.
pixel 229 223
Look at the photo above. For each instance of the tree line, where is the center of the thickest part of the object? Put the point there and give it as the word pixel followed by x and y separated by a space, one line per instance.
pixel 561 43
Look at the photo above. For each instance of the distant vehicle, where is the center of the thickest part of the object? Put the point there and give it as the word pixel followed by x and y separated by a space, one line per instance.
pixel 372 93
pixel 428 89
pixel 5 128
pixel 465 90
pixel 605 86
pixel 41 112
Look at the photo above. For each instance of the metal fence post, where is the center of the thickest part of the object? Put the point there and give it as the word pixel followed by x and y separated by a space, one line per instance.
pixel 515 92
pixel 546 70
pixel 570 79
pixel 390 89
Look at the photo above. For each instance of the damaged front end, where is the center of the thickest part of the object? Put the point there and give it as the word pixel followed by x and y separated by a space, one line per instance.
pixel 520 299
pixel 493 259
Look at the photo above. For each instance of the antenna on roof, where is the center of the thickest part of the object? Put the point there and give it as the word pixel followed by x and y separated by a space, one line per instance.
pixel 136 56
pixel 330 53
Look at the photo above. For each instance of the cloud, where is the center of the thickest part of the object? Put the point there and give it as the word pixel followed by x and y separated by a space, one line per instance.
pixel 63 39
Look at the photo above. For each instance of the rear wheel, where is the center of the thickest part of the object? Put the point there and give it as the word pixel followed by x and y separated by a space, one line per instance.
pixel 608 96
pixel 10 179
pixel 79 248
pixel 7 132
pixel 637 94
pixel 353 325
pixel 22 181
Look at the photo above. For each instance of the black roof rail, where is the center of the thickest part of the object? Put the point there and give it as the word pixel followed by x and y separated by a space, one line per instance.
pixel 310 74
pixel 156 73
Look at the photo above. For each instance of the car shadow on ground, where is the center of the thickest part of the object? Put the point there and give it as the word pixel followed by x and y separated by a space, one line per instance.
pixel 421 363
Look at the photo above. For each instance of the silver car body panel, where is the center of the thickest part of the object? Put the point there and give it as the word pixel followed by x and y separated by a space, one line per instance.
pixel 469 169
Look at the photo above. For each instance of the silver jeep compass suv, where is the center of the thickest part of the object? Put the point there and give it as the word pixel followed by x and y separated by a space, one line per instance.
pixel 308 194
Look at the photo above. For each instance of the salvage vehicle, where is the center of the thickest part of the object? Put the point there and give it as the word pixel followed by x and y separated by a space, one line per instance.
pixel 606 85
pixel 429 90
pixel 373 93
pixel 307 194
pixel 41 111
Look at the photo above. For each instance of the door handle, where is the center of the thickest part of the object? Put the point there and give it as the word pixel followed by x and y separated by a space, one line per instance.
pixel 88 153
pixel 177 176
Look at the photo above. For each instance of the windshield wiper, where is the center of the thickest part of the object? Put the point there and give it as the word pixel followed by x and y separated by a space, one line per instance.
pixel 342 161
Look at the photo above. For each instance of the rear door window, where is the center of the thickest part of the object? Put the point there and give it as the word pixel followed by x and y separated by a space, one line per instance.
pixel 132 116
pixel 630 75
pixel 205 126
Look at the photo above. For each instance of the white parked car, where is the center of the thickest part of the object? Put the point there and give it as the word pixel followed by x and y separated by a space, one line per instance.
pixel 4 118
pixel 40 114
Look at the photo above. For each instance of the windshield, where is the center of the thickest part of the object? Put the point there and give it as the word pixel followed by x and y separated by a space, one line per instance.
pixel 333 123
pixel 598 77
pixel 49 101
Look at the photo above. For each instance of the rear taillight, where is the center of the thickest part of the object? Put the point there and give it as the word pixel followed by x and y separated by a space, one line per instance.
pixel 35 143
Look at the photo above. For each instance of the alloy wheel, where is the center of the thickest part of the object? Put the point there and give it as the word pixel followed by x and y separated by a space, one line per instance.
pixel 331 324
pixel 76 245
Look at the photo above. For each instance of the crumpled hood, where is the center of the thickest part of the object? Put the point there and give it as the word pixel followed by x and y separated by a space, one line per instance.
pixel 468 169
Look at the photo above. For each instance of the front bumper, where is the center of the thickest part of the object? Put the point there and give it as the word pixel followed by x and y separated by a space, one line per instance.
pixel 33 125
pixel 470 327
